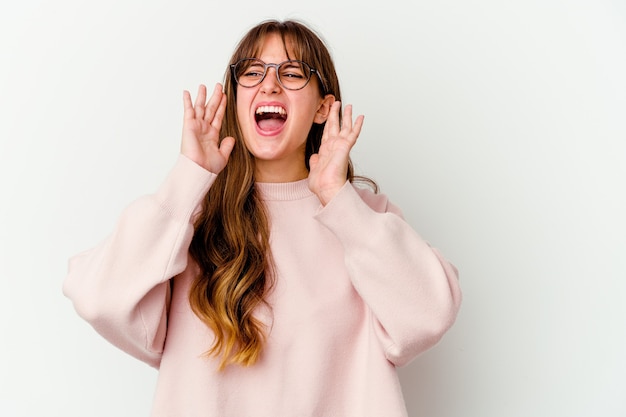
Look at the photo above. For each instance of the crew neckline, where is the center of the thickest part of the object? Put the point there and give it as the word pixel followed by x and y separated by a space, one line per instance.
pixel 295 190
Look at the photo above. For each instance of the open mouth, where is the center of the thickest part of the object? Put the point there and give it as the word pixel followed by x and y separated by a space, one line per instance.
pixel 270 118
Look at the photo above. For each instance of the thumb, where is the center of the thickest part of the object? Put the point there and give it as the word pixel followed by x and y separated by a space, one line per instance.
pixel 313 160
pixel 226 146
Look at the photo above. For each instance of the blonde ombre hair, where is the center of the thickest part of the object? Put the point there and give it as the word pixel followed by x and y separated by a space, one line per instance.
pixel 231 240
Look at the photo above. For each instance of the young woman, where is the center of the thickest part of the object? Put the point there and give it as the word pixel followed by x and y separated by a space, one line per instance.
pixel 258 279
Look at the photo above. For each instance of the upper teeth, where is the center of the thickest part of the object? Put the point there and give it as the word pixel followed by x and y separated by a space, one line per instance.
pixel 270 109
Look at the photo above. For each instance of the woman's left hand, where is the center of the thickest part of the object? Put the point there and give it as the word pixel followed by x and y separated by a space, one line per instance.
pixel 329 167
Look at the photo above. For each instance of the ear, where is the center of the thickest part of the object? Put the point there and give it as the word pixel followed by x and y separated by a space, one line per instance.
pixel 324 109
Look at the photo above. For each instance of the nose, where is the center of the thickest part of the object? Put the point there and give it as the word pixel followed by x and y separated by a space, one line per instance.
pixel 270 83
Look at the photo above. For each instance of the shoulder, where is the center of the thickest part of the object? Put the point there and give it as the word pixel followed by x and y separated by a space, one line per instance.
pixel 378 202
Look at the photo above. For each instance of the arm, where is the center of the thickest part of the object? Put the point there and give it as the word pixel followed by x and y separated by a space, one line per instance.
pixel 411 290
pixel 121 287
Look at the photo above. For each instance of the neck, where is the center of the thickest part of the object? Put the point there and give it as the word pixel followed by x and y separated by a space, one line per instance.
pixel 274 171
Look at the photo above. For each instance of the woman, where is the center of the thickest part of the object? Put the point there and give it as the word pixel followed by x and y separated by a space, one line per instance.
pixel 258 279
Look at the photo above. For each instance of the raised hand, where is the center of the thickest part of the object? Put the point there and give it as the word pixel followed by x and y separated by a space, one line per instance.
pixel 329 167
pixel 201 130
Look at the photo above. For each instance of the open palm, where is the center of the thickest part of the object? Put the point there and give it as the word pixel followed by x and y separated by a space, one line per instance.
pixel 329 167
pixel 202 122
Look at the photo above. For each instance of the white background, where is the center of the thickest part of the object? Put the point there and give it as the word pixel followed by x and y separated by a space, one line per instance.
pixel 499 127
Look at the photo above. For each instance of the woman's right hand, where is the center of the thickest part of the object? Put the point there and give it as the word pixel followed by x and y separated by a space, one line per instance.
pixel 201 130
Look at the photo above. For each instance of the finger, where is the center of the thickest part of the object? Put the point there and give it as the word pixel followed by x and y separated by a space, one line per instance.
pixel 332 124
pixel 346 123
pixel 187 106
pixel 353 135
pixel 214 103
pixel 325 132
pixel 200 101
pixel 219 114
pixel 358 124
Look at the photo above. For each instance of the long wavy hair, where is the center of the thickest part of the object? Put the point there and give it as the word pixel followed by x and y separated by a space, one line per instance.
pixel 231 239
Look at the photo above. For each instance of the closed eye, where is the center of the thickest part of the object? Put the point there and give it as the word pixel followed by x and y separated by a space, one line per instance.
pixel 292 75
pixel 291 70
pixel 252 74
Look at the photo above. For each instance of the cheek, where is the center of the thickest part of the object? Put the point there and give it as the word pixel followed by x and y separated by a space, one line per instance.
pixel 241 112
pixel 241 116
pixel 244 98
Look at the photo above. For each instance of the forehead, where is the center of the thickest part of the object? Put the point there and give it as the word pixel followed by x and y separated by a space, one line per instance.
pixel 274 47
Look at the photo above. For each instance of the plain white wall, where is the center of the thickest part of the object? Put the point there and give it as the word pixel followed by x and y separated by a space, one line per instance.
pixel 498 126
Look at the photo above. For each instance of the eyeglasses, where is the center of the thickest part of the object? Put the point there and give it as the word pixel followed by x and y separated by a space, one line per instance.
pixel 291 74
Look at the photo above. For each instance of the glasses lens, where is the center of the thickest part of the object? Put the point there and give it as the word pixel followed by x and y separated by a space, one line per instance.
pixel 249 72
pixel 294 75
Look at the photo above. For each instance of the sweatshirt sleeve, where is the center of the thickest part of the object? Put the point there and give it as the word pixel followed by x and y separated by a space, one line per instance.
pixel 410 288
pixel 121 287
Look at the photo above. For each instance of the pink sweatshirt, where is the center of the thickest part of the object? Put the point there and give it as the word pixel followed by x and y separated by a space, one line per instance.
pixel 357 293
